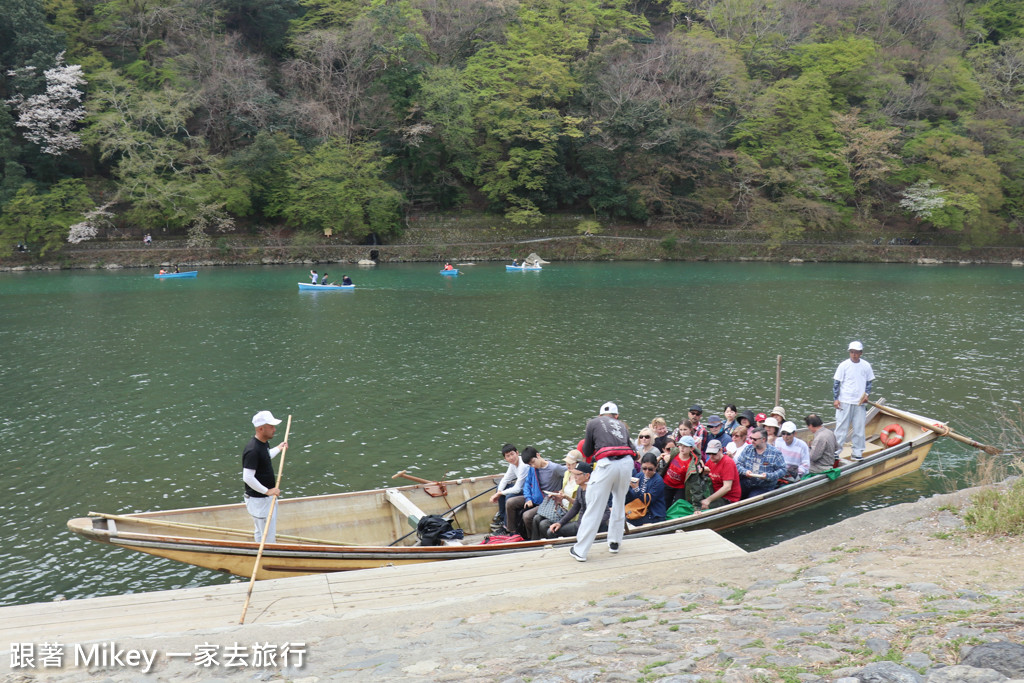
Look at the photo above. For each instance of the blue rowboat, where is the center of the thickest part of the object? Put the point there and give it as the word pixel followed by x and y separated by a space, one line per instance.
pixel 522 268
pixel 323 288
pixel 454 271
pixel 164 276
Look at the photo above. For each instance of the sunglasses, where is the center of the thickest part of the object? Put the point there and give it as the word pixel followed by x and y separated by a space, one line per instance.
pixel 647 469
pixel 643 436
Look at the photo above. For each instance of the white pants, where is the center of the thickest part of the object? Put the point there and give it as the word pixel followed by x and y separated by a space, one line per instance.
pixel 850 425
pixel 259 508
pixel 610 477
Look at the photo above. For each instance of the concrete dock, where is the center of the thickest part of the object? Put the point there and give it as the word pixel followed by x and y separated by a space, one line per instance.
pixel 357 594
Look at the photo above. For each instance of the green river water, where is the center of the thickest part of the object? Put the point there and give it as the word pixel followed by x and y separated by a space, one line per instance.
pixel 122 393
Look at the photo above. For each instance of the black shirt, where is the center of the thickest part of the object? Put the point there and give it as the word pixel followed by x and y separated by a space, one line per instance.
pixel 256 456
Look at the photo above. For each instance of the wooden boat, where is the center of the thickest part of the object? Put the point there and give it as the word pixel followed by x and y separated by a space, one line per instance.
pixel 364 529
pixel 304 286
pixel 521 268
pixel 453 271
pixel 164 276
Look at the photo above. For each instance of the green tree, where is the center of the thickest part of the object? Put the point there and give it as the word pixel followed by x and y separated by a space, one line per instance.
pixel 341 186
pixel 42 219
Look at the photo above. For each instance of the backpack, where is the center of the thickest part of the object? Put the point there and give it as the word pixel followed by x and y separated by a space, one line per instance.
pixel 431 527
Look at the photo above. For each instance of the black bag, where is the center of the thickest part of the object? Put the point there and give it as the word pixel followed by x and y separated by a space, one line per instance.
pixel 430 529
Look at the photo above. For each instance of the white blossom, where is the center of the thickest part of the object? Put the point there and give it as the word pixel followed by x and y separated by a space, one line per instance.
pixel 922 200
pixel 90 225
pixel 48 118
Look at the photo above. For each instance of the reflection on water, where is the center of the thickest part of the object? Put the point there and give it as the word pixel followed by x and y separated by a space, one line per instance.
pixel 124 393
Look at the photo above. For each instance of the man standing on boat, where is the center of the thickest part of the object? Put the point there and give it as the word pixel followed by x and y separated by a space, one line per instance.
pixel 850 389
pixel 258 474
pixel 607 445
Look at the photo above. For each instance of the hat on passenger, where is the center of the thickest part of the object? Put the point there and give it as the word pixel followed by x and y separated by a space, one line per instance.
pixel 609 408
pixel 779 410
pixel 787 428
pixel 856 346
pixel 695 408
pixel 264 417
pixel 760 417
pixel 714 446
pixel 584 467
pixel 714 421
pixel 687 441
pixel 573 456
pixel 771 422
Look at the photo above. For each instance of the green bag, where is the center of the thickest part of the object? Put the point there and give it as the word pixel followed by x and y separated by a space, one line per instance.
pixel 680 508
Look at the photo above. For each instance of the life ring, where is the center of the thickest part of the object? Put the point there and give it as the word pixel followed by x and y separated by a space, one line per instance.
pixel 891 435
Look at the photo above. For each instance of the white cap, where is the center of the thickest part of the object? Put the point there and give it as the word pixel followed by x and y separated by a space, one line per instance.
pixel 264 417
pixel 856 346
pixel 787 428
pixel 714 446
pixel 609 407
pixel 771 422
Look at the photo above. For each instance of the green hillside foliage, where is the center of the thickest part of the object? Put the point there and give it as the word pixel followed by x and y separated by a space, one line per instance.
pixel 783 116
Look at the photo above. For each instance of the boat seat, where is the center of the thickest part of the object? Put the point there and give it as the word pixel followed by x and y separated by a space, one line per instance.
pixel 405 506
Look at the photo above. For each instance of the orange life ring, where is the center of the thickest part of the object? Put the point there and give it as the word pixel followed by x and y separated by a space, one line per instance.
pixel 891 435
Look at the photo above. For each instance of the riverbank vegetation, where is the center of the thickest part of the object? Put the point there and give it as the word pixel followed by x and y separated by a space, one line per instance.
pixel 195 119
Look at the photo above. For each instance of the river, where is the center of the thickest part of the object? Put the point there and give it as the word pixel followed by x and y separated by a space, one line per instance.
pixel 123 393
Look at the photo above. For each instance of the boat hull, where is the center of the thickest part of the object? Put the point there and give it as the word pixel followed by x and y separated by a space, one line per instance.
pixel 309 287
pixel 522 268
pixel 450 272
pixel 340 532
pixel 169 276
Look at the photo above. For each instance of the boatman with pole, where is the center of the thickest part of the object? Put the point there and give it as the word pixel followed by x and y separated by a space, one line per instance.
pixel 258 474
pixel 608 447
pixel 850 388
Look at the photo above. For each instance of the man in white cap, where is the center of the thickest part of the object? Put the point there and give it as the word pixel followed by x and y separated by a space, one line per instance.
pixel 607 445
pixel 850 389
pixel 258 474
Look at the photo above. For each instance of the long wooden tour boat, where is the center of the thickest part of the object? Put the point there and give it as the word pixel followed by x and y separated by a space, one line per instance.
pixel 364 529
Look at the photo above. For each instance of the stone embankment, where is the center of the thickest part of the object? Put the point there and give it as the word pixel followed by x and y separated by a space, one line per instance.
pixel 898 595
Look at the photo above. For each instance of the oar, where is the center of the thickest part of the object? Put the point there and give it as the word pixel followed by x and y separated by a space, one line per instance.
pixel 451 510
pixel 266 527
pixel 205 527
pixel 432 488
pixel 940 429
pixel 778 379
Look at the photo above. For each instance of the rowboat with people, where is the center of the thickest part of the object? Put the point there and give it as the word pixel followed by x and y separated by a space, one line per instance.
pixel 375 528
pixel 165 276
pixel 450 271
pixel 307 286
pixel 521 269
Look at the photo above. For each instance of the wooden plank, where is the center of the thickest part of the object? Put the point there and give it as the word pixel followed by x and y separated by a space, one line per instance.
pixel 412 513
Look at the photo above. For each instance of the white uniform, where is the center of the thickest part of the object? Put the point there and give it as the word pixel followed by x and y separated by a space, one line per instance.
pixel 853 380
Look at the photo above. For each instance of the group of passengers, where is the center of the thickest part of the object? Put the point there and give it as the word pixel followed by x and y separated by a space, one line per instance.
pixel 707 464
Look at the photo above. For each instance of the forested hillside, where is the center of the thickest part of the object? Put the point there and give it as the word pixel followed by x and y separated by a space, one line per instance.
pixel 790 116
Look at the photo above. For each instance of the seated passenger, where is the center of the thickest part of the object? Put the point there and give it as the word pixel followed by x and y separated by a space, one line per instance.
pixel 346 280
pixel 739 437
pixel 746 419
pixel 725 479
pixel 716 430
pixel 760 465
pixel 779 413
pixel 323 279
pixel 511 484
pixel 824 447
pixel 771 428
pixel 448 266
pixel 678 470
pixel 645 444
pixel 686 429
pixel 549 482
pixel 649 482
pixel 731 414
pixel 794 451
pixel 570 521
pixel 659 428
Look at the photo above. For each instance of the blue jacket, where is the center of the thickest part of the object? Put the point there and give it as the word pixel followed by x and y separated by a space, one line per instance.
pixel 531 489
pixel 656 510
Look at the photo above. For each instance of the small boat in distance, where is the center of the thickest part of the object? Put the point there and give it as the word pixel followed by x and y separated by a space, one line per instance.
pixel 164 276
pixel 453 271
pixel 521 268
pixel 306 286
pixel 376 528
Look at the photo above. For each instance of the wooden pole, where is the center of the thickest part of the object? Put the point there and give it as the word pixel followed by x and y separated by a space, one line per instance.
pixel 778 380
pixel 940 429
pixel 266 527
